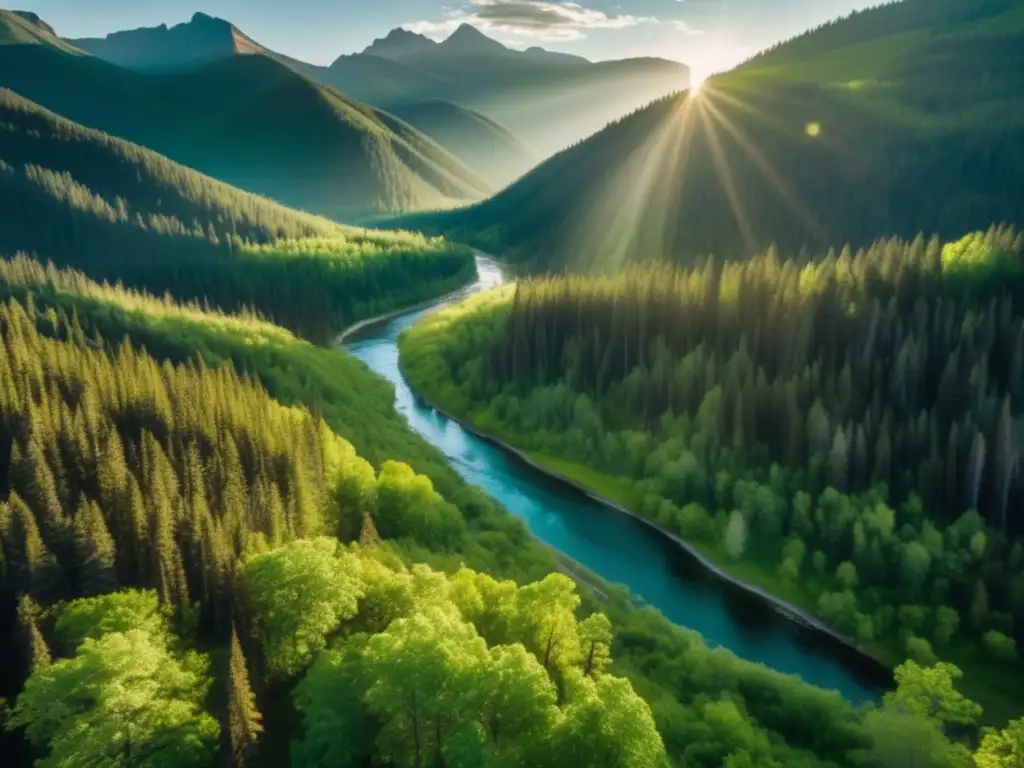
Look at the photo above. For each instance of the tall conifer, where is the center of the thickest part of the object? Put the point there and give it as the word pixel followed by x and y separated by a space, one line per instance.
pixel 244 723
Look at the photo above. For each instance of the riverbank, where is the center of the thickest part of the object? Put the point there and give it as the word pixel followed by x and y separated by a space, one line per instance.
pixel 789 610
pixel 985 682
pixel 437 302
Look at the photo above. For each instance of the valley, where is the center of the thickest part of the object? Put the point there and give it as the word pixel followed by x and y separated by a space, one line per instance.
pixel 486 393
pixel 604 541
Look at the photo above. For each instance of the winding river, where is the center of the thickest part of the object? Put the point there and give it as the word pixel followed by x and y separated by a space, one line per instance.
pixel 615 546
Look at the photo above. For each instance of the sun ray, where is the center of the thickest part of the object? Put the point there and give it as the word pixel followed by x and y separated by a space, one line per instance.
pixel 768 171
pixel 635 205
pixel 724 172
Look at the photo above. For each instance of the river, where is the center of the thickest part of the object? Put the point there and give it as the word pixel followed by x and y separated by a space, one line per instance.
pixel 619 548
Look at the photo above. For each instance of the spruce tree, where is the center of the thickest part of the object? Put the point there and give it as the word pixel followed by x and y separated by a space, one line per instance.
pixel 35 651
pixel 243 719
pixel 95 551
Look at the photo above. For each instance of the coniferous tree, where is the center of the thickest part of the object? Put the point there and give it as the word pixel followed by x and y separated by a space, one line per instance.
pixel 36 653
pixel 244 723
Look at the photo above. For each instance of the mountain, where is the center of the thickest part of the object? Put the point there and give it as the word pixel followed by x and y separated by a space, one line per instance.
pixel 550 100
pixel 398 43
pixel 120 212
pixel 482 144
pixel 25 28
pixel 897 120
pixel 248 120
pixel 35 21
pixel 201 40
pixel 467 40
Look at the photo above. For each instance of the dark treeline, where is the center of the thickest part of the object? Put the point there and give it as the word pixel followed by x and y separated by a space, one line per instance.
pixel 122 213
pixel 852 424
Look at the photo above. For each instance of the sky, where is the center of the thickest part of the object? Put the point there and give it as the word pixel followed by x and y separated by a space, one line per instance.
pixel 709 35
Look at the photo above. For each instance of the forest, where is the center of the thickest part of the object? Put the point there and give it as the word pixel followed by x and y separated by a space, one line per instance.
pixel 849 424
pixel 123 213
pixel 180 477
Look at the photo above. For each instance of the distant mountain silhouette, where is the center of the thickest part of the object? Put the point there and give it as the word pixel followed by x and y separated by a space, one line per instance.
pixel 201 40
pixel 468 40
pixel 549 100
pixel 398 43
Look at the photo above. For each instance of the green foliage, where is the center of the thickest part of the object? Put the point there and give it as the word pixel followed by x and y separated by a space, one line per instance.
pixel 408 505
pixel 928 691
pixel 92 618
pixel 438 691
pixel 123 698
pixel 999 646
pixel 1002 749
pixel 299 595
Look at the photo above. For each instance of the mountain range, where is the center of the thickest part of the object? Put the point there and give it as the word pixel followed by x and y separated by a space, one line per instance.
pixel 249 120
pixel 901 119
pixel 550 100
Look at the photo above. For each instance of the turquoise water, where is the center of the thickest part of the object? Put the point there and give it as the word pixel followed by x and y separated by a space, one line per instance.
pixel 617 547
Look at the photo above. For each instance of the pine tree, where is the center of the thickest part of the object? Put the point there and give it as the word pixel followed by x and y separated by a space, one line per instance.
pixel 36 653
pixel 95 551
pixel 243 719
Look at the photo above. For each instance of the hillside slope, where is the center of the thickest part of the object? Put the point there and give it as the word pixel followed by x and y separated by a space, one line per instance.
pixel 250 121
pixel 916 131
pixel 120 212
pixel 482 144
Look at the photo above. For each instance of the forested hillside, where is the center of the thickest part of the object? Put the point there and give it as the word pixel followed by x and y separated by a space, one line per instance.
pixel 123 472
pixel 212 474
pixel 850 427
pixel 827 139
pixel 248 120
pixel 123 213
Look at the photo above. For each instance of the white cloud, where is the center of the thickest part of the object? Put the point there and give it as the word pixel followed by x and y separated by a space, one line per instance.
pixel 535 19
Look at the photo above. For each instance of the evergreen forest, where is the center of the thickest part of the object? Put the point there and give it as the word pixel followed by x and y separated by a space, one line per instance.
pixel 203 574
pixel 845 430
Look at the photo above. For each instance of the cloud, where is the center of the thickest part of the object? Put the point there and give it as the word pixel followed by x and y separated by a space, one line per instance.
pixel 536 19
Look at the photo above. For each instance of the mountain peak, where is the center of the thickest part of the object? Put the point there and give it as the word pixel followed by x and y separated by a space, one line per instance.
pixel 202 19
pixel 200 40
pixel 399 42
pixel 34 20
pixel 469 39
